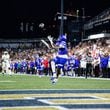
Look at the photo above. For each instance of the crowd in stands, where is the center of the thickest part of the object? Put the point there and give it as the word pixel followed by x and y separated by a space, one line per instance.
pixel 88 58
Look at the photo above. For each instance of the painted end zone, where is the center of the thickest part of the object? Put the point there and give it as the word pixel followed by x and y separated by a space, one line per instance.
pixel 54 99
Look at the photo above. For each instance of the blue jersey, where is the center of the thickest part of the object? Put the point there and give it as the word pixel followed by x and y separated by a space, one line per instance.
pixel 61 43
pixel 104 61
pixel 77 63
pixel 71 63
pixel 62 57
pixel 15 65
pixel 61 40
pixel 38 63
pixel 31 63
pixel 24 64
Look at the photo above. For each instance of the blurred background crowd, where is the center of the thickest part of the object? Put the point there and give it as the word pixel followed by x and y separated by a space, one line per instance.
pixel 88 58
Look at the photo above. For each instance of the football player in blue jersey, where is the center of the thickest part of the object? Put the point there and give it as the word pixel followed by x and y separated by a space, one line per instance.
pixel 60 58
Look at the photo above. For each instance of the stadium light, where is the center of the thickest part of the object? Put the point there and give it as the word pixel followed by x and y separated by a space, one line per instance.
pixel 77 13
pixel 64 17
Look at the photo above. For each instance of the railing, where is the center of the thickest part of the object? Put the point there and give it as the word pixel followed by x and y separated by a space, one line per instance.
pixel 104 16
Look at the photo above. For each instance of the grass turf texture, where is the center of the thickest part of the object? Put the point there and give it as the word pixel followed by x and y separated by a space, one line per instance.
pixel 35 82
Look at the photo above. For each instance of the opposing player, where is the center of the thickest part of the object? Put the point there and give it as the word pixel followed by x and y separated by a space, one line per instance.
pixel 6 63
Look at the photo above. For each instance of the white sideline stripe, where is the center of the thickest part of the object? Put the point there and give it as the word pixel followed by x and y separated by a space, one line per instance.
pixel 84 78
pixel 52 89
pixel 7 81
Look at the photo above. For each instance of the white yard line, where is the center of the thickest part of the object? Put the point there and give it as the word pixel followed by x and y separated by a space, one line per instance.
pixel 46 101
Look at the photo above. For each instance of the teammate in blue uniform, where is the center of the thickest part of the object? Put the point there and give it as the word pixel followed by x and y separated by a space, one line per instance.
pixel 24 66
pixel 38 64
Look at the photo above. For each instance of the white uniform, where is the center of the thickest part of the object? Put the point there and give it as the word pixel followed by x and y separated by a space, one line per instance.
pixel 5 62
pixel 83 63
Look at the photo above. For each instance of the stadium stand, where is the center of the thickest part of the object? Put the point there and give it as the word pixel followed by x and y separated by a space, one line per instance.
pixel 99 23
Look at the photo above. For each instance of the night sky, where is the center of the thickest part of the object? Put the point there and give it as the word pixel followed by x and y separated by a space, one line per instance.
pixel 13 11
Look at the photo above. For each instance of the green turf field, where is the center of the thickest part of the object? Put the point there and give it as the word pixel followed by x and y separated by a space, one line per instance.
pixel 35 82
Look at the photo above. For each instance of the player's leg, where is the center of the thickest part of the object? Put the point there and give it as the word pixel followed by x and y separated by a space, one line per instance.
pixel 3 68
pixel 58 72
pixel 60 64
pixel 8 70
pixel 53 68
